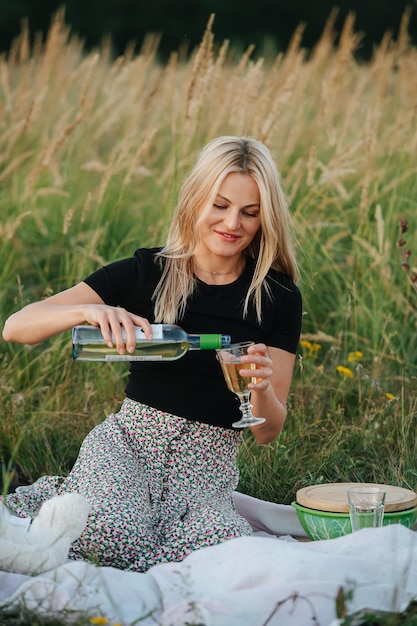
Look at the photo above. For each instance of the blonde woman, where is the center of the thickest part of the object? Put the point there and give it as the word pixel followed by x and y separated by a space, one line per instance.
pixel 160 472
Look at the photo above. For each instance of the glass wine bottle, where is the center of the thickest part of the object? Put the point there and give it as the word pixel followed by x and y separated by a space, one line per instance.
pixel 169 342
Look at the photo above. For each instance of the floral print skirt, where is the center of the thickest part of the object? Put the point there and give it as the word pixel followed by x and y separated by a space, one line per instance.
pixel 160 487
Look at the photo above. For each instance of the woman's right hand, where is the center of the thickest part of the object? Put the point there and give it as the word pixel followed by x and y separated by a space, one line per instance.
pixel 78 305
pixel 113 321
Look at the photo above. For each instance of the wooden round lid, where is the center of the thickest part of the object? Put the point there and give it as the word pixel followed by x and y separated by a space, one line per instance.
pixel 333 497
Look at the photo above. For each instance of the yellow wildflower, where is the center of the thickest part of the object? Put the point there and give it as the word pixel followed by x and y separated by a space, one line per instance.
pixel 355 356
pixel 390 396
pixel 310 347
pixel 99 620
pixel 345 371
pixel 315 347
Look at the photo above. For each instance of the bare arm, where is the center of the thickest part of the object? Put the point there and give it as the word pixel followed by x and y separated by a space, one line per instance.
pixel 78 305
pixel 269 394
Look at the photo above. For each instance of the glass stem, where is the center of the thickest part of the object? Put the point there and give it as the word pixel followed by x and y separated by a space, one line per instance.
pixel 245 405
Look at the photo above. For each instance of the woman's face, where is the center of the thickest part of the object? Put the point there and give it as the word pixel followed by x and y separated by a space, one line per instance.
pixel 233 220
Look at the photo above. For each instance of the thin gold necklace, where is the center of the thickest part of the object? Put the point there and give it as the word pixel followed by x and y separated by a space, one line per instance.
pixel 217 273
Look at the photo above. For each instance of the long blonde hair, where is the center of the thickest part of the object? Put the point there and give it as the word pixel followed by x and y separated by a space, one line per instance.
pixel 271 247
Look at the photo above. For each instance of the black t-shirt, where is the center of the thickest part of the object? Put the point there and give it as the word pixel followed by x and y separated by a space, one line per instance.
pixel 193 386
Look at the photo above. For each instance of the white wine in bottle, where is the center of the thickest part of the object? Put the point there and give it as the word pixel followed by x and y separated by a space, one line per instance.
pixel 169 342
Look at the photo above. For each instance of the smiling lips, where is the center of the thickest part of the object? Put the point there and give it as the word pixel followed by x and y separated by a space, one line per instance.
pixel 227 236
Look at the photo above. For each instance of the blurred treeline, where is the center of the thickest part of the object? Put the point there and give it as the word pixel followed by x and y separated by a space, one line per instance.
pixel 268 24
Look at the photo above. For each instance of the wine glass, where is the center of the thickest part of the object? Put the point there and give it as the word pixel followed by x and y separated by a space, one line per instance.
pixel 230 361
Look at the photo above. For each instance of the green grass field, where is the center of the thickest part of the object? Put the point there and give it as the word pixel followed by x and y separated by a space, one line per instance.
pixel 92 152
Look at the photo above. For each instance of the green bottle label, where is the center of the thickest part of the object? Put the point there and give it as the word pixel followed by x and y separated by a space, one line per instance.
pixel 210 342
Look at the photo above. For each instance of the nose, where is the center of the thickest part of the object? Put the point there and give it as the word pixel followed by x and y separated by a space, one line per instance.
pixel 232 219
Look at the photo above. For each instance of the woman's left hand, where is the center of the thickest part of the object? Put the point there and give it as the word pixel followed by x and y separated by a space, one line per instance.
pixel 258 354
pixel 273 374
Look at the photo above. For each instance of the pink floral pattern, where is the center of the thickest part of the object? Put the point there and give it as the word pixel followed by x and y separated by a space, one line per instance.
pixel 160 487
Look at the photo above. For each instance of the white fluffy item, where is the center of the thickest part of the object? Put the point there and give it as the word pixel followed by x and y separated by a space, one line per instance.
pixel 33 547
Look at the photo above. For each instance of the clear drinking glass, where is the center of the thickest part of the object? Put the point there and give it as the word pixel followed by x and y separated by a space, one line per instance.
pixel 230 361
pixel 366 506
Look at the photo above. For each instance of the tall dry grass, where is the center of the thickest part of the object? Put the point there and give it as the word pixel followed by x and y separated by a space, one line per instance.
pixel 92 151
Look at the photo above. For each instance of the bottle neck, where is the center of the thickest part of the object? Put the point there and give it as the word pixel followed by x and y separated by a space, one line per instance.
pixel 208 341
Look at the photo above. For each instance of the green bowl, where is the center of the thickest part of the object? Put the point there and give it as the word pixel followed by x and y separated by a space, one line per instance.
pixel 327 525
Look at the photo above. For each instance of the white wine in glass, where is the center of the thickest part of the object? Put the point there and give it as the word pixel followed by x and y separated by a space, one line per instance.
pixel 231 363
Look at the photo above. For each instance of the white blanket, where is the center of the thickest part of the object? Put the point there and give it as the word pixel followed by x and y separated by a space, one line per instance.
pixel 250 581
